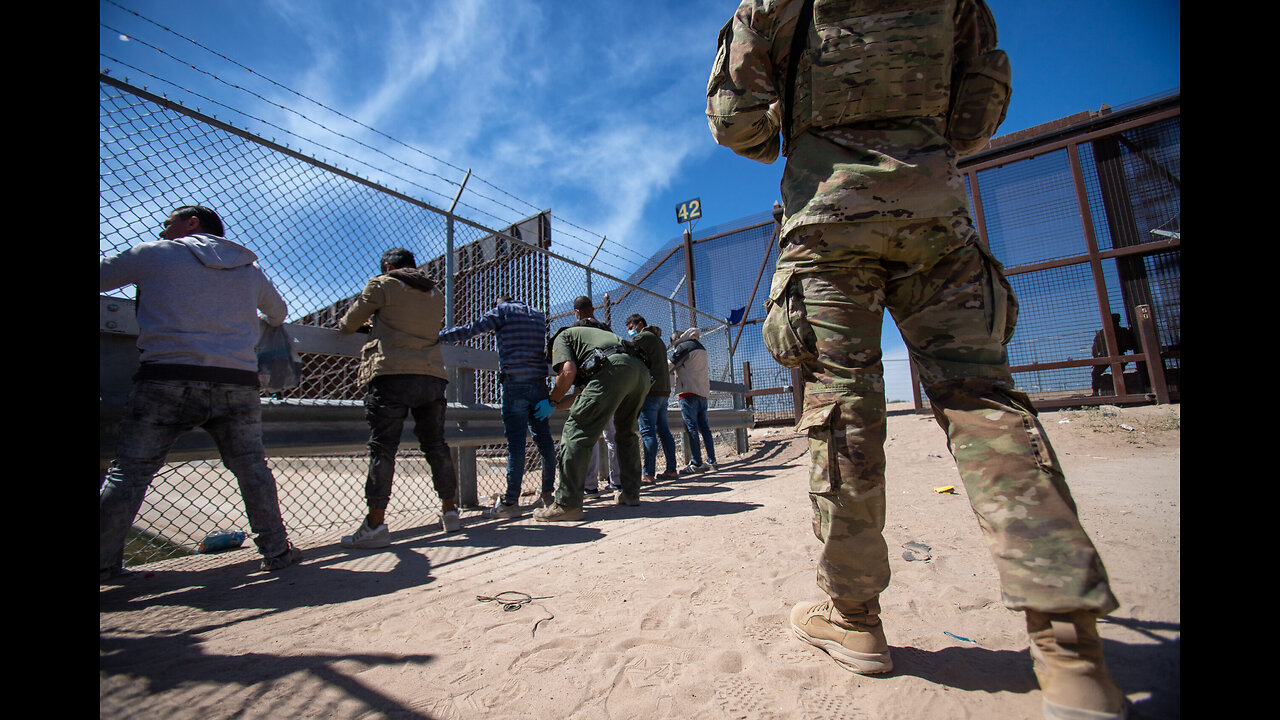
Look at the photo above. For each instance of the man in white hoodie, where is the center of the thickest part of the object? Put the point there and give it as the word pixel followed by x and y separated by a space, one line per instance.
pixel 198 300
pixel 693 386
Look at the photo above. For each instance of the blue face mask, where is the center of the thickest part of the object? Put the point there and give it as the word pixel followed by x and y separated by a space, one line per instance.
pixel 631 333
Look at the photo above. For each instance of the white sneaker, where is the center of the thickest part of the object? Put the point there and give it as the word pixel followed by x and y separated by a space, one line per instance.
pixel 708 467
pixel 691 469
pixel 366 538
pixel 451 521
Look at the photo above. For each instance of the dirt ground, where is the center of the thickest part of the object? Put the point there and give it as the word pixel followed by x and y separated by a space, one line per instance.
pixel 673 609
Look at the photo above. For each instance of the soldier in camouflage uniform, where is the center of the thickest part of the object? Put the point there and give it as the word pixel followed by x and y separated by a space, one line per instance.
pixel 872 113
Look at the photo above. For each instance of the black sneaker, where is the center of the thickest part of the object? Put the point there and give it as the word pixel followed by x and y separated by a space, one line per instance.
pixel 281 561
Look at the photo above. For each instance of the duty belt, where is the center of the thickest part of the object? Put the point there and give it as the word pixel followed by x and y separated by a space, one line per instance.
pixel 598 357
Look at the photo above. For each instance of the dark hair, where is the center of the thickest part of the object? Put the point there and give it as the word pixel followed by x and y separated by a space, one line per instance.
pixel 582 302
pixel 636 318
pixel 398 258
pixel 209 220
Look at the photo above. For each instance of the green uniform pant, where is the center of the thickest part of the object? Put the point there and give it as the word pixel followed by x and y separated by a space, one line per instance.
pixel 617 391
pixel 956 311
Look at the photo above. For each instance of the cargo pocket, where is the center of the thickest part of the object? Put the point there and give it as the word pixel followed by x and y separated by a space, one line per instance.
pixel 819 420
pixel 786 330
pixel 979 101
pixel 1001 305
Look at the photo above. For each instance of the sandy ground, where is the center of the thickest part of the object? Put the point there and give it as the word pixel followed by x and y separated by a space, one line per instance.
pixel 673 609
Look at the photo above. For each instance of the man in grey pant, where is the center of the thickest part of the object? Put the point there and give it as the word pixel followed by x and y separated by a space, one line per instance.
pixel 198 300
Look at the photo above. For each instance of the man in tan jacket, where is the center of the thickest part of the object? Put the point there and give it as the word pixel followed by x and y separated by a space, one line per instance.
pixel 403 371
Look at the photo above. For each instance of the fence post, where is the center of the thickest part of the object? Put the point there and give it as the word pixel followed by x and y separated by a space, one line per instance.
pixel 797 393
pixel 1151 349
pixel 465 468
pixel 740 401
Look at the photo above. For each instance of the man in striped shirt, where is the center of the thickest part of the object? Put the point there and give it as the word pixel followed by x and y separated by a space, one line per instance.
pixel 521 335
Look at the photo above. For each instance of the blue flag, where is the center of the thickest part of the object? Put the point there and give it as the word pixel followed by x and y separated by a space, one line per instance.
pixel 737 315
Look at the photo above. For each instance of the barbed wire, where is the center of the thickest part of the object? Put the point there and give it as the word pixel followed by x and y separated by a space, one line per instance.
pixel 589 244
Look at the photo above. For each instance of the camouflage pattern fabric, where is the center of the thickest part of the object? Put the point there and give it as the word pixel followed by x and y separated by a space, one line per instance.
pixel 876 218
pixel 884 166
pixel 955 311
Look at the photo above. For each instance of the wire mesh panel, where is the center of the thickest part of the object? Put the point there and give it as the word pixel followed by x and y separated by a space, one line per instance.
pixel 319 233
pixel 1074 266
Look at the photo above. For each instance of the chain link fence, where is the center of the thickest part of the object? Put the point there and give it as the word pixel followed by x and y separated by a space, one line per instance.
pixel 1087 222
pixel 319 232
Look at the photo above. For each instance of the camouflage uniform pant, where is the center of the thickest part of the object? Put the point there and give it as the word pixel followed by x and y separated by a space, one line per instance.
pixel 956 311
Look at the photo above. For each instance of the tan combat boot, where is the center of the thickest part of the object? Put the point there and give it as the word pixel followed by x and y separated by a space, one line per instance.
pixel 857 646
pixel 1067 654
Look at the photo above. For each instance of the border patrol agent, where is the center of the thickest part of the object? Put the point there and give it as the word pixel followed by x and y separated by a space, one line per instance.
pixel 613 381
pixel 871 102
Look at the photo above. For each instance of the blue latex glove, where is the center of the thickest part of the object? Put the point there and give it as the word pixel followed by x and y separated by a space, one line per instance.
pixel 543 409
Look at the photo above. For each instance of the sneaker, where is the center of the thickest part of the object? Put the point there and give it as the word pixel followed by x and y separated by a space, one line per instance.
pixel 1066 652
pixel 709 467
pixel 504 511
pixel 692 469
pixel 592 491
pixel 281 561
pixel 450 521
pixel 366 537
pixel 625 498
pixel 647 480
pixel 668 475
pixel 857 647
pixel 557 513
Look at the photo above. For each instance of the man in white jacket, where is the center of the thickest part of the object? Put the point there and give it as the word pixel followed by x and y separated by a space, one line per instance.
pixel 198 300
pixel 693 386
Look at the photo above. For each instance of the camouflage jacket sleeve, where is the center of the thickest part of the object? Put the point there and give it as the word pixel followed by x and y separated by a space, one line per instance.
pixel 975 30
pixel 743 88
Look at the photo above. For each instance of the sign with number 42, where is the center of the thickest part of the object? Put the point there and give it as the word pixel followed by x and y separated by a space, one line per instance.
pixel 689 210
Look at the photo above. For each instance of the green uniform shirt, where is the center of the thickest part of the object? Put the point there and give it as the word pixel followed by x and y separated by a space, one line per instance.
pixel 577 344
pixel 656 351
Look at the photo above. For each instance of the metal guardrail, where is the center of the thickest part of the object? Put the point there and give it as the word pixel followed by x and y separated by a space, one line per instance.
pixel 296 427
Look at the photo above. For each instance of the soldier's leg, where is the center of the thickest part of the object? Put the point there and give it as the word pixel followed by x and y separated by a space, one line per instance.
pixel 826 319
pixel 956 315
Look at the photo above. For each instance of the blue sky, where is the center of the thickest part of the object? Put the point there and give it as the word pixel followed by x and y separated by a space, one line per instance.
pixel 592 109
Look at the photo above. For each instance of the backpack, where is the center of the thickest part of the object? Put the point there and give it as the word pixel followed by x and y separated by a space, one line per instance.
pixel 681 350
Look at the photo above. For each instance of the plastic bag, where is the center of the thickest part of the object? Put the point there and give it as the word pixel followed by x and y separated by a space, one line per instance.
pixel 278 365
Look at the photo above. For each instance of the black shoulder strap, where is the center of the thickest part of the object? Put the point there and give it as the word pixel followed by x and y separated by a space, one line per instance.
pixel 551 341
pixel 799 39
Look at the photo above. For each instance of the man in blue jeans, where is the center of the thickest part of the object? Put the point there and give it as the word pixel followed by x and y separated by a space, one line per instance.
pixel 521 336
pixel 198 300
pixel 654 429
pixel 693 386
pixel 402 370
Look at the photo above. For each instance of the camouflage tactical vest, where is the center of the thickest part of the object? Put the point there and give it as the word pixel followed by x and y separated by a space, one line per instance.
pixel 877 60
